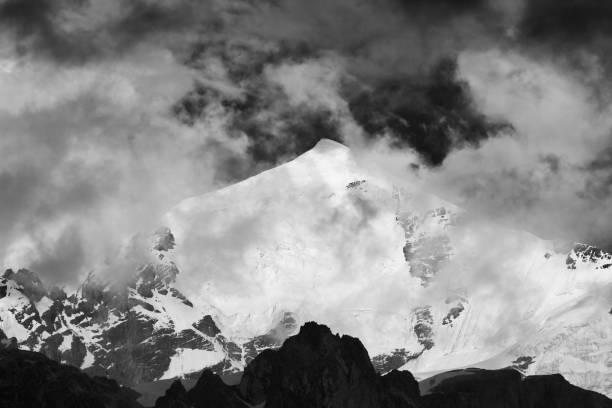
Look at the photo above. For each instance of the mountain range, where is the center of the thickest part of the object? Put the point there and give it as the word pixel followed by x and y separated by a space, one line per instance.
pixel 424 284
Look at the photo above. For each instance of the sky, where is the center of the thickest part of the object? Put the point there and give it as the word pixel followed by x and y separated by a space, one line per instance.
pixel 114 111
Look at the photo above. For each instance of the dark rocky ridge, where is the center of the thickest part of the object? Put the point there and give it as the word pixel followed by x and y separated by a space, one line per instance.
pixel 314 369
pixel 317 369
pixel 29 379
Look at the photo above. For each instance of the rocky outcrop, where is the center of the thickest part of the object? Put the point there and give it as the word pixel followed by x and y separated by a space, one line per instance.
pixel 272 340
pixel 29 379
pixel 319 369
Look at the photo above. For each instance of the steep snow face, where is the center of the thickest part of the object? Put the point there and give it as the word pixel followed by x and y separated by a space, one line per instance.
pixel 429 289
pixel 313 236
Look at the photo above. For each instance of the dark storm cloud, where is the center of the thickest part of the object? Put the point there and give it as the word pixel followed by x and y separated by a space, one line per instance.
pixel 279 135
pixel 387 69
pixel 399 80
pixel 382 37
pixel 444 8
pixel 566 22
pixel 44 28
pixel 434 113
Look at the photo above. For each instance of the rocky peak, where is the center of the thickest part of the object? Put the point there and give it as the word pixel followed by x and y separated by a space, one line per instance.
pixel 583 253
pixel 29 283
pixel 163 240
pixel 316 368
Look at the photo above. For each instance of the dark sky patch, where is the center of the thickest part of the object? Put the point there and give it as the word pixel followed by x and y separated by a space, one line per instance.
pixel 40 29
pixel 276 131
pixel 432 114
pixel 566 22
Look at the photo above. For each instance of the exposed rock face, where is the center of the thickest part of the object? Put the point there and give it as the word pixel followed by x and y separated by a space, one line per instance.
pixel 273 339
pixel 129 331
pixel 30 379
pixel 384 363
pixel 137 330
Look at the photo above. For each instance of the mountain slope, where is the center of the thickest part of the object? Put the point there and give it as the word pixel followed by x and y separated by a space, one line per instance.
pixel 424 284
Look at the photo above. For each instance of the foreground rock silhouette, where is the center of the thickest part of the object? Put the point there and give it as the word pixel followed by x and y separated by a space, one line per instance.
pixel 317 369
pixel 314 369
pixel 31 380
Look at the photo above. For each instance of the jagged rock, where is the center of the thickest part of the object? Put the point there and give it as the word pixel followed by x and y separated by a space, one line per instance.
pixel 163 240
pixel 318 369
pixel 29 379
pixel 175 397
pixel 118 329
pixel 384 363
pixel 271 340
pixel 29 282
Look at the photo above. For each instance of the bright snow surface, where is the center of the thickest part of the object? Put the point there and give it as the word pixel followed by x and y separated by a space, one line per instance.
pixel 323 239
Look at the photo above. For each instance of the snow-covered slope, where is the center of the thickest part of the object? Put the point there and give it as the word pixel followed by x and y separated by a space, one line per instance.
pixel 425 285
pixel 428 289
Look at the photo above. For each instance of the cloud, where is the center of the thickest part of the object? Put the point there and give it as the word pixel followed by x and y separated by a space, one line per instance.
pixel 91 155
pixel 566 23
pixel 122 105
pixel 548 175
pixel 77 31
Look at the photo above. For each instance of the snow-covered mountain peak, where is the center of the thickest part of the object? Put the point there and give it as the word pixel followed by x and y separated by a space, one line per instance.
pixel 327 145
pixel 410 275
